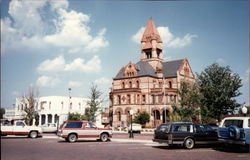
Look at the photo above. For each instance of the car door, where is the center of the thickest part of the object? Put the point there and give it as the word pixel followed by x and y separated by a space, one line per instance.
pixel 181 131
pixel 211 134
pixel 90 131
pixel 20 128
pixel 162 131
pixel 199 133
pixel 7 129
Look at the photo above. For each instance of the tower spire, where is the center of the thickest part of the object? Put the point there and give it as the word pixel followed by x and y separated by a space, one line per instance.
pixel 151 44
pixel 151 32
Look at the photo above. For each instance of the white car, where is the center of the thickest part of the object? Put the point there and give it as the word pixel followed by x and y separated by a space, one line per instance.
pixel 20 128
pixel 50 127
pixel 137 128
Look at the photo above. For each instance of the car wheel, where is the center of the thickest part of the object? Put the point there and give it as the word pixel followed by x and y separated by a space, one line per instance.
pixel 33 134
pixel 104 137
pixel 72 138
pixel 189 143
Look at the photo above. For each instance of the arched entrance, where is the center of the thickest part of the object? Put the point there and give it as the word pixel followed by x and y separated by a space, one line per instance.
pixel 165 116
pixel 157 117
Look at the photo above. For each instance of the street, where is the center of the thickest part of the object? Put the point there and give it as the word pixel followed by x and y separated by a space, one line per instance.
pixel 53 148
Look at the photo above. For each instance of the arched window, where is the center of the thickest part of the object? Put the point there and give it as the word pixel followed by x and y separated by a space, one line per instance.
pixel 130 84
pixel 170 84
pixel 128 99
pixel 119 116
pixel 137 84
pixel 123 85
pixel 119 99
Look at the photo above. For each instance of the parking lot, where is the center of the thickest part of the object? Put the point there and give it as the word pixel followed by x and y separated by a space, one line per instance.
pixel 120 147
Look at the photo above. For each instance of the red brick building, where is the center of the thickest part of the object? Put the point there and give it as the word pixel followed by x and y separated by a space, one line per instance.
pixel 149 85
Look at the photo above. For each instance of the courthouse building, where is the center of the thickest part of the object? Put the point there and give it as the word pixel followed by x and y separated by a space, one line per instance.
pixel 149 85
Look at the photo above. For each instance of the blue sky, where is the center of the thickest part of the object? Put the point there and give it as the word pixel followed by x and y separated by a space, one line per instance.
pixel 60 44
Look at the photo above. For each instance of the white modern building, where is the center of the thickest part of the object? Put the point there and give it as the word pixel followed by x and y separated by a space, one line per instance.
pixel 55 109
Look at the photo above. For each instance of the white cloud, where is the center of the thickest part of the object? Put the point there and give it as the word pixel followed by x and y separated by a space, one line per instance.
pixel 58 65
pixel 79 64
pixel 29 27
pixel 47 81
pixel 181 42
pixel 137 37
pixel 103 81
pixel 169 40
pixel 74 84
pixel 221 61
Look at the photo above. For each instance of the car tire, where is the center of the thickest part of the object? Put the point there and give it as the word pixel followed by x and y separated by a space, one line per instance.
pixel 72 138
pixel 33 134
pixel 189 143
pixel 104 137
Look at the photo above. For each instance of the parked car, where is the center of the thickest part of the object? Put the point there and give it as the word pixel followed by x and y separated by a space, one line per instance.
pixel 136 128
pixel 185 133
pixel 50 127
pixel 235 130
pixel 20 128
pixel 213 126
pixel 73 130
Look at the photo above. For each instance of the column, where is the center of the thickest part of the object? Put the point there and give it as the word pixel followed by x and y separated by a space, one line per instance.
pixel 53 118
pixel 40 120
pixel 46 119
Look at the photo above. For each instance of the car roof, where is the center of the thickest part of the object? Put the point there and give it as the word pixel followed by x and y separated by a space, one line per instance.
pixel 79 121
pixel 236 118
pixel 179 123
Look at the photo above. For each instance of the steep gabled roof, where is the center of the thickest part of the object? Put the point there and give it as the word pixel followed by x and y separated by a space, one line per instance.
pixel 151 32
pixel 169 69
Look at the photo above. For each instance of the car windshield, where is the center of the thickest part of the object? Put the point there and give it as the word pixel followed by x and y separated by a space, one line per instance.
pixel 164 128
pixel 238 123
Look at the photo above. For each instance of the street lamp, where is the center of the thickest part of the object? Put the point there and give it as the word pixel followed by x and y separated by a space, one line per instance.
pixel 131 135
pixel 244 110
pixel 69 98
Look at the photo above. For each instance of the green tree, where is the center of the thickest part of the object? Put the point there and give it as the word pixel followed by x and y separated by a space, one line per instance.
pixel 76 117
pixel 189 102
pixel 2 112
pixel 94 103
pixel 142 118
pixel 30 101
pixel 218 87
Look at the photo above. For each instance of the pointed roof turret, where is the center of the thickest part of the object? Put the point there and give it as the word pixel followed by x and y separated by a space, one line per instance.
pixel 151 32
